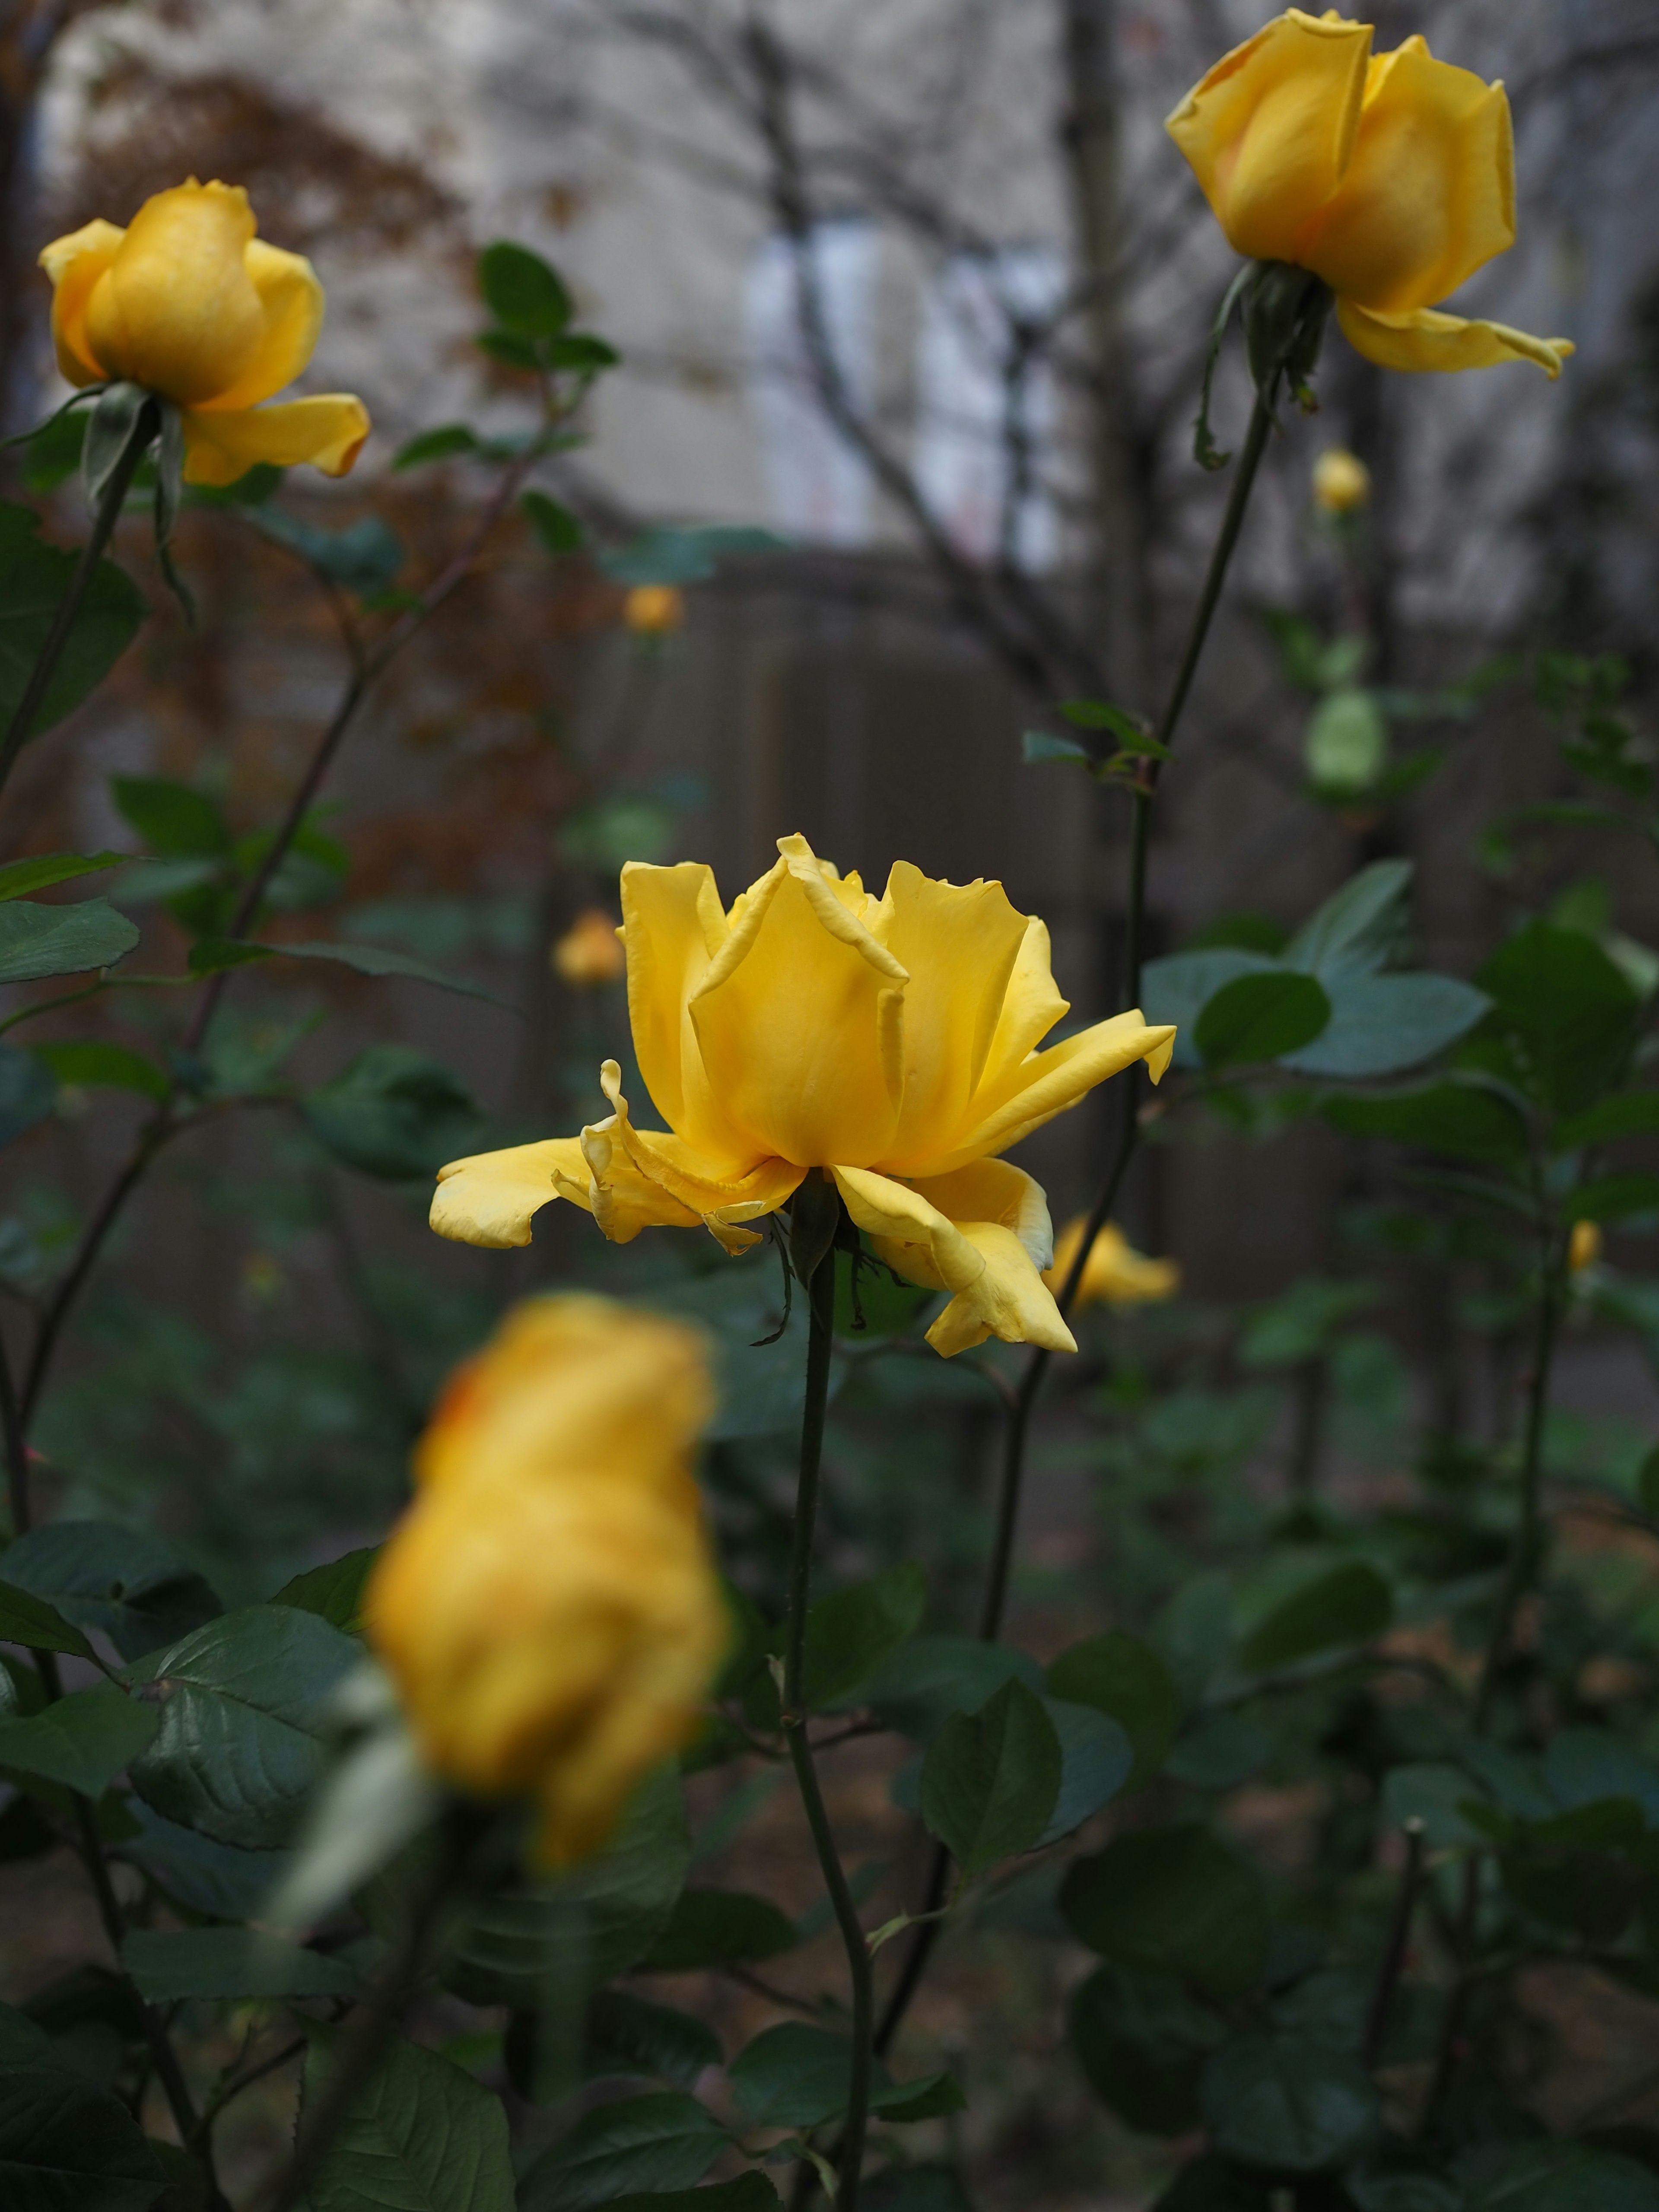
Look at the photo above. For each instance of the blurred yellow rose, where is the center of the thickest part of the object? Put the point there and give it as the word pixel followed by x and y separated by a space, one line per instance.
pixel 590 951
pixel 1391 176
pixel 1341 482
pixel 1114 1274
pixel 1584 1246
pixel 548 1607
pixel 189 303
pixel 890 1041
pixel 652 610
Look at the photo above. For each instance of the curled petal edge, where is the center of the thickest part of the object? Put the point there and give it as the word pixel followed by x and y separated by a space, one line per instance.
pixel 1423 338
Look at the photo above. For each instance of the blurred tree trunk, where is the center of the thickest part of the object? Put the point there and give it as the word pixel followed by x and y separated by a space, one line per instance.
pixel 1089 133
pixel 29 32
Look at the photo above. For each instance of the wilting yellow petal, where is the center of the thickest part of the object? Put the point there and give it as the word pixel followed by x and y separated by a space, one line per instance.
pixel 75 264
pixel 176 310
pixel 672 929
pixel 721 1200
pixel 980 1234
pixel 327 431
pixel 1115 1272
pixel 799 1020
pixel 1424 339
pixel 1045 1083
pixel 291 302
pixel 1270 129
pixel 958 943
pixel 1429 197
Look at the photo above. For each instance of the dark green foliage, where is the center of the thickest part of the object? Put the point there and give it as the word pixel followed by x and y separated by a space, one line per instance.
pixel 33 578
pixel 1172 1899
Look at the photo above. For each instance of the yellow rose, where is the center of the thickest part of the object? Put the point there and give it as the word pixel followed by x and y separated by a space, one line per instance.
pixel 548 1607
pixel 1341 482
pixel 1391 176
pixel 1116 1273
pixel 652 610
pixel 590 951
pixel 189 303
pixel 1584 1246
pixel 890 1041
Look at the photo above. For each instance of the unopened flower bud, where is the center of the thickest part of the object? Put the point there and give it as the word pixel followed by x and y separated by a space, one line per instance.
pixel 1341 482
pixel 653 610
pixel 590 952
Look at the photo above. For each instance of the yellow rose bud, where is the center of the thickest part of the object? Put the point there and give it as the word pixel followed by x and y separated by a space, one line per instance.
pixel 1584 1246
pixel 189 303
pixel 1114 1274
pixel 1341 482
pixel 548 1608
pixel 1391 176
pixel 891 1041
pixel 652 610
pixel 590 952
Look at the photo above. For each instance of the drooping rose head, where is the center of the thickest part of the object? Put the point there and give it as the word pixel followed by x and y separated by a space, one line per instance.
pixel 1391 176
pixel 548 1607
pixel 188 302
pixel 891 1042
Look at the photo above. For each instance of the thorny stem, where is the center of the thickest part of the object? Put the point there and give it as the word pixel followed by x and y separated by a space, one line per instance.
pixel 820 1295
pixel 107 514
pixel 1036 1366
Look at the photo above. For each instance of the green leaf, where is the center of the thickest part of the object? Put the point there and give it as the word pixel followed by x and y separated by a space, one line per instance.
pixel 1346 745
pixel 667 555
pixel 18 877
pixel 792 2076
pixel 83 1741
pixel 21 2043
pixel 558 530
pixel 1628 1114
pixel 207 1877
pixel 395 1113
pixel 1384 1025
pixel 240 1747
pixel 1038 747
pixel 749 2193
pixel 61 941
pixel 1570 1011
pixel 1558 2177
pixel 1288 2106
pixel 28 1091
pixel 1614 1197
pixel 364 558
pixel 28 1619
pixel 1095 1757
pixel 667 2141
pixel 334 1590
pixel 522 291
pixel 1260 1018
pixel 421 2135
pixel 588 1925
pixel 1358 927
pixel 443 444
pixel 720 1928
pixel 511 350
pixel 215 953
pixel 33 578
pixel 1178 989
pixel 1172 1900
pixel 1142 2042
pixel 1120 1676
pixel 54 454
pixel 1456 1118
pixel 173 818
pixel 111 1066
pixel 68 2147
pixel 1351 1604
pixel 992 1779
pixel 851 1632
pixel 580 350
pixel 628 2034
pixel 231 1962
pixel 133 1586
pixel 1208 2183
pixel 930 1677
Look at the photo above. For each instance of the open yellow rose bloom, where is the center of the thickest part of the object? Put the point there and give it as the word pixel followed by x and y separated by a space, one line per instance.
pixel 1114 1274
pixel 189 303
pixel 891 1041
pixel 1391 176
pixel 548 1606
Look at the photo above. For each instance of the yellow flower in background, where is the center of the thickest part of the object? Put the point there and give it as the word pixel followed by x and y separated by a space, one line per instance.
pixel 1584 1246
pixel 1116 1273
pixel 653 610
pixel 189 303
pixel 590 951
pixel 891 1041
pixel 548 1607
pixel 1391 176
pixel 1341 482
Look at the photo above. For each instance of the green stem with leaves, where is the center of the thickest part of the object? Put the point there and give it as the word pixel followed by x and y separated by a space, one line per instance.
pixel 820 1288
